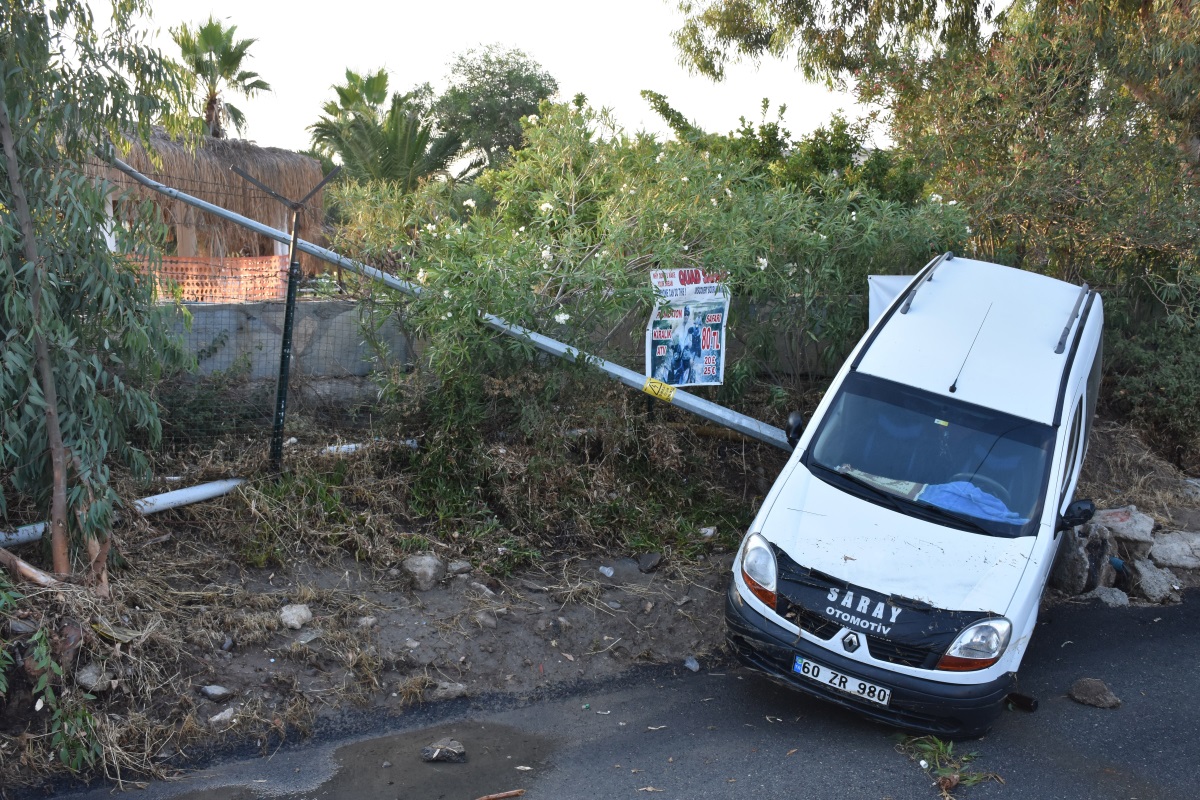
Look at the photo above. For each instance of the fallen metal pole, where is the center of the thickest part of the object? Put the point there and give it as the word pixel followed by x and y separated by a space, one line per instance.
pixel 147 505
pixel 688 402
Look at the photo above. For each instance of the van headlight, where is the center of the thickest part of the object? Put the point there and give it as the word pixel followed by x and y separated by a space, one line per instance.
pixel 758 568
pixel 978 646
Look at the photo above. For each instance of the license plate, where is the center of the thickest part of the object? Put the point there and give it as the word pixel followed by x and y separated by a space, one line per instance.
pixel 847 684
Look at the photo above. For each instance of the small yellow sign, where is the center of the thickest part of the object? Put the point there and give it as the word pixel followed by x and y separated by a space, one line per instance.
pixel 663 391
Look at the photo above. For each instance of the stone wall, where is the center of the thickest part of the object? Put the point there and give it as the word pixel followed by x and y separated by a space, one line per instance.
pixel 331 359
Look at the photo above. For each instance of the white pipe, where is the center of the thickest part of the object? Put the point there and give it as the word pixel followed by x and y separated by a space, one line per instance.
pixel 147 505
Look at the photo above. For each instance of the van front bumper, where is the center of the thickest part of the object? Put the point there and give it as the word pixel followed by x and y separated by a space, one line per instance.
pixel 952 710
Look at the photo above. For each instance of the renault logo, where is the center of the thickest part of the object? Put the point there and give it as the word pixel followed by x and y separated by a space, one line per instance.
pixel 850 642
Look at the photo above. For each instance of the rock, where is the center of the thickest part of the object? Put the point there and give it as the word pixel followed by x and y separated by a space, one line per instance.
pixel 564 623
pixel 308 636
pixel 366 622
pixel 1191 487
pixel 446 690
pixel 483 590
pixel 411 644
pixel 692 664
pixel 295 616
pixel 224 718
pixel 1130 529
pixel 613 604
pixel 1093 692
pixel 448 750
pixel 93 678
pixel 1156 585
pixel 21 627
pixel 227 645
pixel 648 562
pixel 1111 597
pixel 218 694
pixel 485 618
pixel 1070 571
pixel 1176 550
pixel 386 765
pixel 709 532
pixel 426 571
pixel 458 568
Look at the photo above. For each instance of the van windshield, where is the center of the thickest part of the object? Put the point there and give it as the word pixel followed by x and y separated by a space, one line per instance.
pixel 934 457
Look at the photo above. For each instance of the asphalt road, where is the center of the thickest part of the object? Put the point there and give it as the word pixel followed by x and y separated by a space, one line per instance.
pixel 726 733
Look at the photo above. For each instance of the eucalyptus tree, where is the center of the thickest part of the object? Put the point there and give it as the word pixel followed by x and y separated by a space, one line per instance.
pixel 79 327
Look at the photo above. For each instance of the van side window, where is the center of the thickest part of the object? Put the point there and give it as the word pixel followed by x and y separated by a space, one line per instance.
pixel 1071 456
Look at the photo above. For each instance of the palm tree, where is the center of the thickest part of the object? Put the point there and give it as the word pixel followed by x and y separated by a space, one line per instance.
pixel 214 58
pixel 397 144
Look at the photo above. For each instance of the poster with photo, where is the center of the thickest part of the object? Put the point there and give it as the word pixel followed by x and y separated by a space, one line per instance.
pixel 685 338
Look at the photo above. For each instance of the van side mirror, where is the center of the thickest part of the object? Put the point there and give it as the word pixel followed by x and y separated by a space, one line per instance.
pixel 1078 513
pixel 795 427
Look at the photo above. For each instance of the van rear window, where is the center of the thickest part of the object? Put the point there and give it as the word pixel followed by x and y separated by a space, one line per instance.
pixel 934 457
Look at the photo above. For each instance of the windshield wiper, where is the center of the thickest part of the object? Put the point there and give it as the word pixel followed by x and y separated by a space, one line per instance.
pixel 889 499
pixel 961 519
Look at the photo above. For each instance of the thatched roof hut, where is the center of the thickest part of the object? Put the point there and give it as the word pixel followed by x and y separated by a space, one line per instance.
pixel 205 172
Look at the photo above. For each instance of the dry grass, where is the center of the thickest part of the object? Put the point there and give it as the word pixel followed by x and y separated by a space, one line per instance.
pixel 1121 469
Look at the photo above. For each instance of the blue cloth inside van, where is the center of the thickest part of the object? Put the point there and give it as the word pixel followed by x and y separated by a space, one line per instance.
pixel 963 497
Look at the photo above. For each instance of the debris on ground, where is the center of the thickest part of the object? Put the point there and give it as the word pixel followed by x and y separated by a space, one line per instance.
pixel 447 749
pixel 295 616
pixel 1093 692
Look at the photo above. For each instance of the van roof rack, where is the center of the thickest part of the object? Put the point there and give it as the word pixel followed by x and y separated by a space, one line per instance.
pixel 1062 340
pixel 937 262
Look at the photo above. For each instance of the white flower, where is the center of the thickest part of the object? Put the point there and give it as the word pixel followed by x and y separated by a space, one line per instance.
pixel 685 248
pixel 431 228
pixel 521 229
pixel 604 254
pixel 658 159
pixel 935 198
pixel 422 276
pixel 762 263
pixel 969 231
pixel 952 203
pixel 546 254
pixel 562 317
pixel 712 200
pixel 468 203
pixel 666 228
pixel 446 293
pixel 853 215
pixel 533 119
pixel 728 192
pixel 718 176
pixel 684 179
pixel 546 207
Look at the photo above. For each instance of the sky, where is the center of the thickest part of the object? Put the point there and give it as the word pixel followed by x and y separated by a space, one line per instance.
pixel 608 51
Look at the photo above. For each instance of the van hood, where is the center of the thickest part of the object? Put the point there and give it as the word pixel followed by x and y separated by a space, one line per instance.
pixel 824 529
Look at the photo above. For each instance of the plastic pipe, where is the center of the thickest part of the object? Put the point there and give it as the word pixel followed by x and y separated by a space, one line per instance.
pixel 147 505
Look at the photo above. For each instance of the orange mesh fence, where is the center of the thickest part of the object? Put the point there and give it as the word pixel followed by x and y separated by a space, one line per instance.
pixel 229 280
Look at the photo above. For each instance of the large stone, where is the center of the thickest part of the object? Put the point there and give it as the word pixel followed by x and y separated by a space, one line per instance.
pixel 426 571
pixel 224 718
pixel 1110 596
pixel 1176 550
pixel 444 750
pixel 218 694
pixel 94 678
pixel 1130 529
pixel 447 690
pixel 648 562
pixel 1093 692
pixel 1156 585
pixel 1070 571
pixel 295 616
pixel 458 568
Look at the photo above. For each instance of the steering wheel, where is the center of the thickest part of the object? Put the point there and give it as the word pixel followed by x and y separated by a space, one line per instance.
pixel 990 485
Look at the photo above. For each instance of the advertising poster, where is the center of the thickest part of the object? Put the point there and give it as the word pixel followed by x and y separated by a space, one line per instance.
pixel 685 339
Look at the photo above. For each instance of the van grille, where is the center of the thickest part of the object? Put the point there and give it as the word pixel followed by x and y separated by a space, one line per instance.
pixel 905 654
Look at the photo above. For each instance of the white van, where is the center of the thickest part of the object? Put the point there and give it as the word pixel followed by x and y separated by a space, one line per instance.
pixel 896 565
